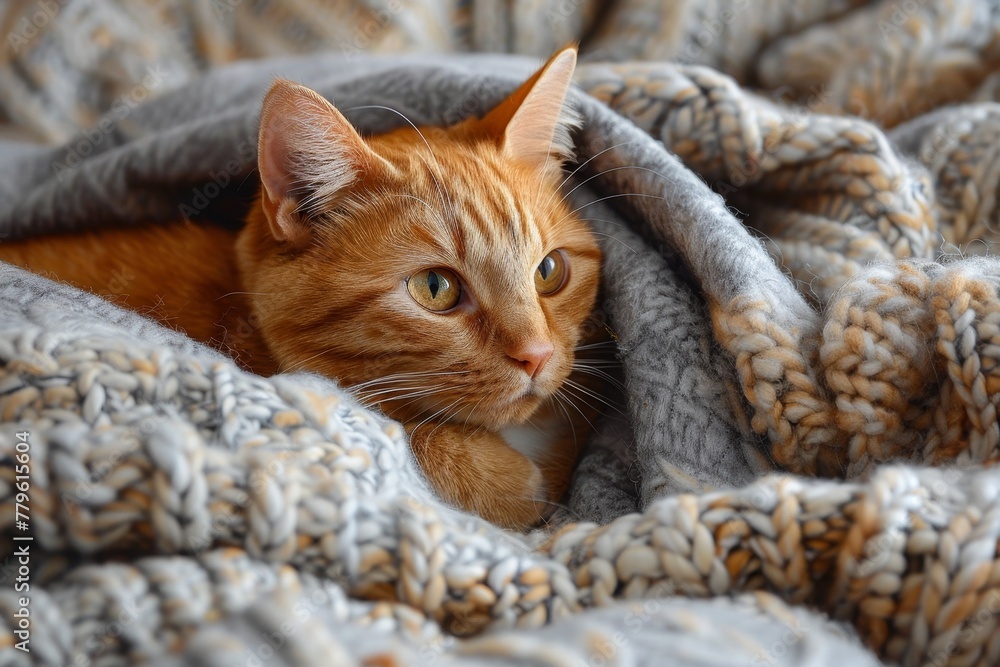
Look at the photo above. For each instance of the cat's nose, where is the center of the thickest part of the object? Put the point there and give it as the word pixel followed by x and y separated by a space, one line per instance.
pixel 532 355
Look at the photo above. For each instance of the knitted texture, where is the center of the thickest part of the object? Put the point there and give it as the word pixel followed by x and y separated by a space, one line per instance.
pixel 791 289
pixel 289 481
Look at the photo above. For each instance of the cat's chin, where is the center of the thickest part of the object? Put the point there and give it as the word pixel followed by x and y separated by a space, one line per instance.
pixel 515 410
pixel 493 411
pixel 473 412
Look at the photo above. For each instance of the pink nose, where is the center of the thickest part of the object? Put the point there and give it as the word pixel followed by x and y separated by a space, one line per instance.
pixel 532 356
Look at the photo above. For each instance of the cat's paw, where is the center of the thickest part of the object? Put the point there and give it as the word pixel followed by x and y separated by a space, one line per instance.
pixel 478 471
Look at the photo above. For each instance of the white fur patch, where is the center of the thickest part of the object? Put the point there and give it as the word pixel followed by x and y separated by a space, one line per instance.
pixel 531 440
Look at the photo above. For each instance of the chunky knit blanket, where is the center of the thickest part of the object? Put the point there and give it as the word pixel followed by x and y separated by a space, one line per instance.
pixel 808 320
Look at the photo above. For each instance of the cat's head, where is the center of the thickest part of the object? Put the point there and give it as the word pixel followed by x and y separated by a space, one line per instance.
pixel 438 272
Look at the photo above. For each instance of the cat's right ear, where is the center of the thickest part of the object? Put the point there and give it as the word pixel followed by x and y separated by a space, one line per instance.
pixel 308 153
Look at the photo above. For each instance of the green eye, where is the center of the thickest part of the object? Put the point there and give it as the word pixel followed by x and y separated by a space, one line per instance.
pixel 551 273
pixel 434 289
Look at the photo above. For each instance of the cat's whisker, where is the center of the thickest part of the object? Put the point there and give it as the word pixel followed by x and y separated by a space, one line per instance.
pixel 424 421
pixel 414 400
pixel 616 223
pixel 409 387
pixel 245 178
pixel 424 202
pixel 609 236
pixel 608 171
pixel 587 391
pixel 545 522
pixel 404 393
pixel 591 159
pixel 567 397
pixel 596 372
pixel 441 411
pixel 386 382
pixel 614 196
pixel 473 411
pixel 581 166
pixel 416 374
pixel 418 392
pixel 447 416
pixel 412 375
pixel 437 182
pixel 590 346
pixel 246 293
pixel 301 364
pixel 394 385
pixel 409 402
pixel 560 401
pixel 579 391
pixel 535 426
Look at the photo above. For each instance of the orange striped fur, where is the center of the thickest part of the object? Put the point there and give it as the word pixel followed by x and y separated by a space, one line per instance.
pixel 318 280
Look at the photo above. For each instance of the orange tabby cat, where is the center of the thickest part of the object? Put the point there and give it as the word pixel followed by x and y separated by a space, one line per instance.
pixel 439 275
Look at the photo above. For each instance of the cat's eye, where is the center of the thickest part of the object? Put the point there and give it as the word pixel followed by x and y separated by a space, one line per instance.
pixel 551 273
pixel 434 289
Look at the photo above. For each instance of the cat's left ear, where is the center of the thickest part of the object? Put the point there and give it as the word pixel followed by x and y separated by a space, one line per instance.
pixel 308 156
pixel 534 123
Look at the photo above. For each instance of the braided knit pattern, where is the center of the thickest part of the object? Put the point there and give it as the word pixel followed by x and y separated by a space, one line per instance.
pixel 840 169
pixel 858 551
pixel 265 487
pixel 933 53
pixel 903 361
pixel 847 548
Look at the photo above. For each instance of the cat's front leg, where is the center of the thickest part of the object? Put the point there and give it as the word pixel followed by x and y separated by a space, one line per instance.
pixel 478 471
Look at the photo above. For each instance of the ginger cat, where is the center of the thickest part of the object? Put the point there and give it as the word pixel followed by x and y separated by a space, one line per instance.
pixel 439 275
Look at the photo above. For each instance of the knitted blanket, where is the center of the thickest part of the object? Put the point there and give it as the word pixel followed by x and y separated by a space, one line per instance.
pixel 810 357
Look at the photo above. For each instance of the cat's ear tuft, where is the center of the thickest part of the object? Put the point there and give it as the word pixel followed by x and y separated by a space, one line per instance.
pixel 308 153
pixel 534 124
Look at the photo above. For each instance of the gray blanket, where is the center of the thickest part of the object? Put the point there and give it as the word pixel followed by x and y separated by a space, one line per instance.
pixel 182 510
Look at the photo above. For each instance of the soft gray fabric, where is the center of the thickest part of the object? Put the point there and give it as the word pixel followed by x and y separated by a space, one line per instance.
pixel 691 432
